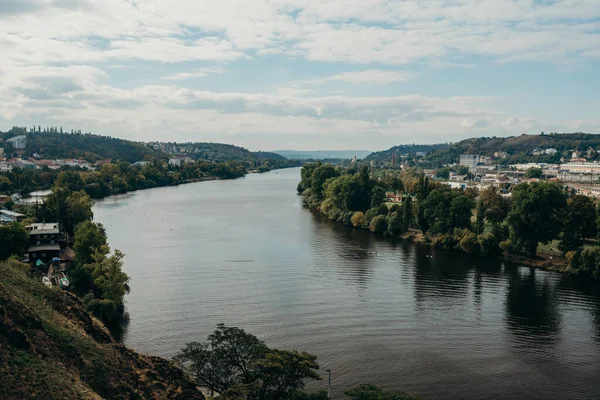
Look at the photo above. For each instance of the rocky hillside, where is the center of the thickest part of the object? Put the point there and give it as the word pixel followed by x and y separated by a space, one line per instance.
pixel 50 348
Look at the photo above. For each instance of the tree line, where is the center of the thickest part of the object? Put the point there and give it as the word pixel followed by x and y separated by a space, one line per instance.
pixel 483 223
pixel 116 178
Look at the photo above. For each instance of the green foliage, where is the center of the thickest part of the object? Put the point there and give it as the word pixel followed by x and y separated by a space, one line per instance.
pixel 536 215
pixel 378 196
pixel 236 364
pixel 69 208
pixel 407 214
pixel 378 224
pixel 358 219
pixel 14 240
pixel 488 244
pixel 445 209
pixel 371 392
pixel 579 223
pixel 89 237
pixel 585 261
pixel 469 243
pixel 480 217
pixel 534 173
pixel 443 173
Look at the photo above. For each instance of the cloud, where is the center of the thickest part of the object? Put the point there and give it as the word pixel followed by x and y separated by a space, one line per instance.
pixel 200 73
pixel 371 77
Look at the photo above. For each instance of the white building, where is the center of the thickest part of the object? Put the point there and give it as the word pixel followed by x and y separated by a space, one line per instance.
pixel 550 152
pixel 581 168
pixel 469 160
pixel 175 161
pixel 18 142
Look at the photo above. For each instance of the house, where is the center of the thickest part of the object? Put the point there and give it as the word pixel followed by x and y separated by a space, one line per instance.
pixel 7 216
pixel 550 152
pixel 45 242
pixel 469 160
pixel 140 163
pixel 18 142
pixel 175 161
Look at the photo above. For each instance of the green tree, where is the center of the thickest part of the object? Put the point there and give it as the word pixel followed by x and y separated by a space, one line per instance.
pixel 579 223
pixel 378 196
pixel 378 224
pixel 488 244
pixel 79 209
pixel 480 218
pixel 371 392
pixel 89 237
pixel 14 240
pixel 233 361
pixel 407 214
pixel 534 173
pixel 536 215
pixel 443 173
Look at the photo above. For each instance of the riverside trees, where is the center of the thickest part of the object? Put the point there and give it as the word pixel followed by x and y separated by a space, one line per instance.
pixel 455 219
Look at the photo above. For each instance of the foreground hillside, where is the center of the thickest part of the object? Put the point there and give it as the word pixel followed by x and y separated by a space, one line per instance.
pixel 50 348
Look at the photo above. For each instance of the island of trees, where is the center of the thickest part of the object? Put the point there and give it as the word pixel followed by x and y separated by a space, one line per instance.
pixel 482 223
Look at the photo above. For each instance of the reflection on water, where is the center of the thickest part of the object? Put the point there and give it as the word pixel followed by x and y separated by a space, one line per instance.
pixel 372 309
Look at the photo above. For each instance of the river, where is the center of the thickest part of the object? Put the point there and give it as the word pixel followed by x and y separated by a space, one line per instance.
pixel 374 310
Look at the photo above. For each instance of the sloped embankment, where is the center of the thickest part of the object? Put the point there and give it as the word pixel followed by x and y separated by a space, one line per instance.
pixel 51 348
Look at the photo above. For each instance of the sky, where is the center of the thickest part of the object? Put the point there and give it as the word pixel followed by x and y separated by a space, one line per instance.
pixel 301 74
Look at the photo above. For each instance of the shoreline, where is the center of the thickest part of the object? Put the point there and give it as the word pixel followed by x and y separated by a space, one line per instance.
pixel 549 263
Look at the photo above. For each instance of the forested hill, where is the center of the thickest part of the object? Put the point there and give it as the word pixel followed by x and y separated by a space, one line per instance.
pixel 409 149
pixel 518 148
pixel 53 143
pixel 56 145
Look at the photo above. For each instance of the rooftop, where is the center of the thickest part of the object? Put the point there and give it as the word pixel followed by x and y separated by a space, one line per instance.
pixel 12 214
pixel 44 228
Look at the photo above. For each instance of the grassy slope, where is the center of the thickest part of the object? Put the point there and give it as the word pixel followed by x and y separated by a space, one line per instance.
pixel 51 348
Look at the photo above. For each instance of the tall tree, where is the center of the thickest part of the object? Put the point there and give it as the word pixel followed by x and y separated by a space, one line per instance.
pixel 536 215
pixel 14 239
pixel 579 223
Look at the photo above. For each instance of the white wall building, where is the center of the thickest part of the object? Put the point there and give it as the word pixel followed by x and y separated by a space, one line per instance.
pixel 18 142
pixel 581 168
pixel 469 160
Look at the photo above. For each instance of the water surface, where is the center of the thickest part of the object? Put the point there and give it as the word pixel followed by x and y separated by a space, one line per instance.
pixel 374 310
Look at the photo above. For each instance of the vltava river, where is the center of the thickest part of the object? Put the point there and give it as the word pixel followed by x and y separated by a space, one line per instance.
pixel 373 310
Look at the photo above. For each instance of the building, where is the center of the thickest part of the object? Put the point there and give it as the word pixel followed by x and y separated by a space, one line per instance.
pixel 581 168
pixel 140 163
pixel 45 242
pixel 7 216
pixel 500 154
pixel 469 160
pixel 175 161
pixel 550 152
pixel 18 142
pixel 1 151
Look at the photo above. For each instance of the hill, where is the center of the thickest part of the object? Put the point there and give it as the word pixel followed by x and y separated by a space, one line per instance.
pixel 50 348
pixel 323 154
pixel 519 148
pixel 54 145
pixel 217 152
pixel 409 149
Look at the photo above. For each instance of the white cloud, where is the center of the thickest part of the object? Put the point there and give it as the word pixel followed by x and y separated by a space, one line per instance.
pixel 200 73
pixel 371 76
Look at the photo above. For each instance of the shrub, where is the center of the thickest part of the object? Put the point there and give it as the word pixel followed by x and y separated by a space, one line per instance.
pixel 488 245
pixel 358 219
pixel 378 224
pixel 506 245
pixel 369 215
pixel 469 243
pixel 347 218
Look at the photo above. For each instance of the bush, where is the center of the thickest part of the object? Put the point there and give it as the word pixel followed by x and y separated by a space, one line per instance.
pixel 500 231
pixel 469 243
pixel 585 261
pixel 347 218
pixel 358 219
pixel 447 242
pixel 506 245
pixel 334 214
pixel 488 245
pixel 378 224
pixel 369 215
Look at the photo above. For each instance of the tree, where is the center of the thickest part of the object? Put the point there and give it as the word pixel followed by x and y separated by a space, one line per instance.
pixel 78 209
pixel 488 244
pixel 378 224
pixel 469 243
pixel 14 240
pixel 371 392
pixel 358 219
pixel 378 196
pixel 534 173
pixel 536 215
pixel 443 173
pixel 233 361
pixel 320 176
pixel 579 223
pixel 407 214
pixel 480 218
pixel 89 237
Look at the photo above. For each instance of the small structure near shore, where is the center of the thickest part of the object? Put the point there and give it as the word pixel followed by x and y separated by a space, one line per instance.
pixel 45 242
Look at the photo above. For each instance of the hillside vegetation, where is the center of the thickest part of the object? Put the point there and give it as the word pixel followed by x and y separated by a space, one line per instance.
pixel 51 348
pixel 518 148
